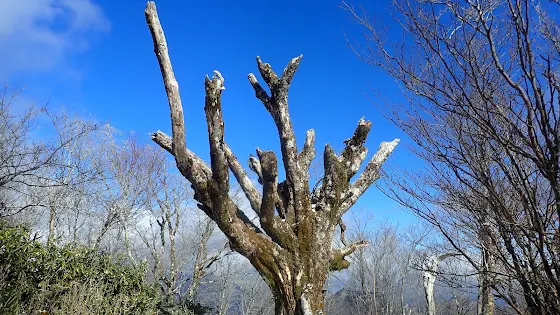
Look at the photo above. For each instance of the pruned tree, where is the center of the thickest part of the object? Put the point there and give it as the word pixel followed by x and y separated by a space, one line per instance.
pixel 481 81
pixel 291 245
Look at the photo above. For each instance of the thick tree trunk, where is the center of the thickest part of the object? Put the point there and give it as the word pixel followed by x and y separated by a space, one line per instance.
pixel 298 282
pixel 312 301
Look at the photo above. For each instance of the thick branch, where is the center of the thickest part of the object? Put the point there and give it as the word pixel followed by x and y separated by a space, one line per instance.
pixel 368 176
pixel 179 145
pixel 215 122
pixel 277 106
pixel 270 184
pixel 335 181
pixel 166 143
pixel 268 75
pixel 244 218
pixel 290 70
pixel 163 140
pixel 355 152
pixel 223 209
pixel 248 188
pixel 277 229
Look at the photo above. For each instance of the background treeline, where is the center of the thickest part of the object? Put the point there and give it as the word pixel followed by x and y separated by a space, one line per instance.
pixel 96 222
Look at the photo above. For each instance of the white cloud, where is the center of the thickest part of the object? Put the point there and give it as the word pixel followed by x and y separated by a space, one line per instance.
pixel 38 35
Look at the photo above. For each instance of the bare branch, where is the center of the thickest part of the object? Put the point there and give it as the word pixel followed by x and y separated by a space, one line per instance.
pixel 259 91
pixel 248 188
pixel 368 176
pixel 307 154
pixel 255 166
pixel 179 147
pixel 352 248
pixel 355 152
pixel 267 74
pixel 277 106
pixel 163 140
pixel 166 143
pixel 290 70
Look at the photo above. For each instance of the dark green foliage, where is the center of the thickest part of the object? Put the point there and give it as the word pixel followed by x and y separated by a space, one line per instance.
pixel 35 276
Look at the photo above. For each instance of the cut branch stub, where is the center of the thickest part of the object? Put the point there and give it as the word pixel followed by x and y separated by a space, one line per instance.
pixel 215 122
pixel 355 152
pixel 255 166
pixel 335 181
pixel 290 70
pixel 338 261
pixel 246 185
pixel 268 75
pixel 307 154
pixel 269 166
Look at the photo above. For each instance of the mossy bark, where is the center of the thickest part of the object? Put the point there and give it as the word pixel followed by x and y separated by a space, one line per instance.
pixel 291 247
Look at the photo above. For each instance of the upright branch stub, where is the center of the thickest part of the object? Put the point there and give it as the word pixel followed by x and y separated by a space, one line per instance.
pixel 215 122
pixel 307 154
pixel 355 152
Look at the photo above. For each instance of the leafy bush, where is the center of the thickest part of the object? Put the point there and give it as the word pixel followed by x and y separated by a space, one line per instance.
pixel 68 279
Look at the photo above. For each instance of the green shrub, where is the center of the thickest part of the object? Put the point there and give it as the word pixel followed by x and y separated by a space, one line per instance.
pixel 68 279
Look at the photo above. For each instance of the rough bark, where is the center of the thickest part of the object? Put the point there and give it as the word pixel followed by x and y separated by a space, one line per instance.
pixel 292 248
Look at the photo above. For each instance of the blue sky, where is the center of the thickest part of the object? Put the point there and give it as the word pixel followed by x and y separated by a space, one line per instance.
pixel 96 59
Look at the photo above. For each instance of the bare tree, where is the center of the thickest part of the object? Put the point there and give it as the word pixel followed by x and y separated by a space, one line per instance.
pixel 381 279
pixel 126 175
pixel 28 162
pixel 64 192
pixel 291 249
pixel 482 83
pixel 169 201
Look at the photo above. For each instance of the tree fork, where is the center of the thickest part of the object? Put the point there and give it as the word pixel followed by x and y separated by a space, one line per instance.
pixel 292 246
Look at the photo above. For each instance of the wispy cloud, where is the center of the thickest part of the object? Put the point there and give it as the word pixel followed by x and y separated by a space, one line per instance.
pixel 38 35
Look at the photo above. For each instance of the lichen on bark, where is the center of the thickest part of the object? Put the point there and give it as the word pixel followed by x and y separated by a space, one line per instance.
pixel 291 248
